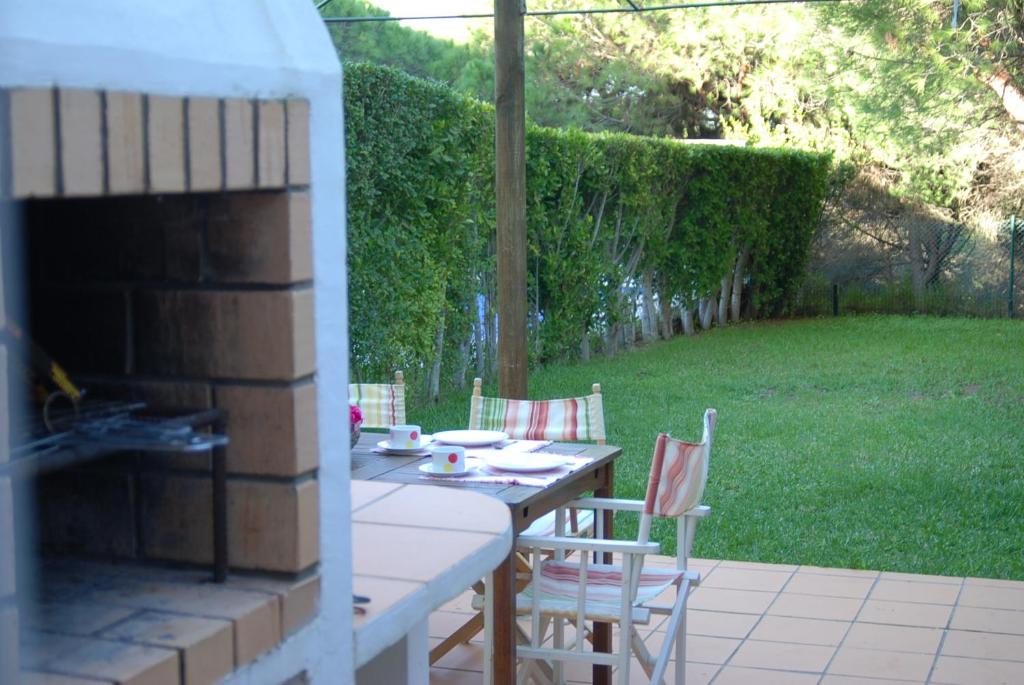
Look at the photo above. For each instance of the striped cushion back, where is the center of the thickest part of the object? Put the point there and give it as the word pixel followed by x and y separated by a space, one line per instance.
pixel 383 404
pixel 577 418
pixel 679 472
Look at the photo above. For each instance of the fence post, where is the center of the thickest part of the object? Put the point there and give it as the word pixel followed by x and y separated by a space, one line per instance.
pixel 835 299
pixel 1013 244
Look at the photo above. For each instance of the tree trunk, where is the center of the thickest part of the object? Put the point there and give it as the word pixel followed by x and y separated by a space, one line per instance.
pixel 706 311
pixel 665 305
pixel 1011 96
pixel 723 300
pixel 434 382
pixel 481 348
pixel 648 317
pixel 737 283
pixel 686 314
pixel 611 339
pixel 465 349
pixel 585 346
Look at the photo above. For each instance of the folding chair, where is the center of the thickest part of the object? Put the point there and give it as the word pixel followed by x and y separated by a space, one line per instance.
pixel 382 404
pixel 623 593
pixel 573 419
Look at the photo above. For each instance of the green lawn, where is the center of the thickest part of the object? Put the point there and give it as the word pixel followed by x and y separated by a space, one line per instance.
pixel 874 442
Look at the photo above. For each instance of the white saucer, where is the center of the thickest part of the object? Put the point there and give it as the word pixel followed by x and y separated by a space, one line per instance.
pixel 526 462
pixel 425 440
pixel 428 469
pixel 470 438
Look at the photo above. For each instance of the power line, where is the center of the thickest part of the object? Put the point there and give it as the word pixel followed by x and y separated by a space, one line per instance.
pixel 632 9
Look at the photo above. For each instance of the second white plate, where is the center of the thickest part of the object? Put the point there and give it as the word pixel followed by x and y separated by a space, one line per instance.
pixel 526 462
pixel 468 438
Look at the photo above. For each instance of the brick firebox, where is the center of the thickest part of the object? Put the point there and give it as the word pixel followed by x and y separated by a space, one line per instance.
pixel 168 259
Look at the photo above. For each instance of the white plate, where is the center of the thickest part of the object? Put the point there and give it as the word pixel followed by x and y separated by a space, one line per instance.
pixel 425 441
pixel 470 438
pixel 428 469
pixel 526 462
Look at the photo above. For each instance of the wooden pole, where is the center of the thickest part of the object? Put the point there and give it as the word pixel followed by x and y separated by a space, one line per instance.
pixel 510 191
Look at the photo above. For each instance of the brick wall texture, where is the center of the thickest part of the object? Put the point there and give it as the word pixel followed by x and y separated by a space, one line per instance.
pixel 170 260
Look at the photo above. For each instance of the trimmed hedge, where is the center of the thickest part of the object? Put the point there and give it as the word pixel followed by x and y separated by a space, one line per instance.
pixel 605 214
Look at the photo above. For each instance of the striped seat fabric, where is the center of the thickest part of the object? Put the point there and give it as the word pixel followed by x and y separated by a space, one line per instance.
pixel 559 589
pixel 545 525
pixel 679 473
pixel 572 419
pixel 382 404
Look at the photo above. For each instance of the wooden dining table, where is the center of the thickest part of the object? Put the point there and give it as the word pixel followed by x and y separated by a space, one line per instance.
pixel 526 504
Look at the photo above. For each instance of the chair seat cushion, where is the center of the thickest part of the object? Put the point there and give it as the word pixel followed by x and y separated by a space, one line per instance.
pixel 545 525
pixel 559 588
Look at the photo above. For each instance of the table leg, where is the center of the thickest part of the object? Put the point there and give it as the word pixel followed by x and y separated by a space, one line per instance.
pixel 602 675
pixel 503 590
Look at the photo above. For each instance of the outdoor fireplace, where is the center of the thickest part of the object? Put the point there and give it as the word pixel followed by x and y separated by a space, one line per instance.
pixel 157 244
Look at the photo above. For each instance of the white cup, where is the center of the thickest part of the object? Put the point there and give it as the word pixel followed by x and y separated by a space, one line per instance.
pixel 448 458
pixel 405 437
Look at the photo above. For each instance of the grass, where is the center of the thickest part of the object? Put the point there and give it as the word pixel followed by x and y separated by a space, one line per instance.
pixel 889 443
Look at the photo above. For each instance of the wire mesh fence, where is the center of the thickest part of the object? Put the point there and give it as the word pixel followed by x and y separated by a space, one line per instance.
pixel 915 263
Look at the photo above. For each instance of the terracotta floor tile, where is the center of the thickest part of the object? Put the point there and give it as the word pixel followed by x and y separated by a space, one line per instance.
pixel 461 604
pixel 699 648
pixel 807 631
pixel 828 571
pixel 782 656
pixel 719 623
pixel 757 566
pixel 463 658
pixel 873 663
pixel 911 591
pixel 988 620
pixel 960 671
pixel 854 680
pixel 984 645
pixel 992 597
pixel 814 606
pixel 746 579
pixel 441 624
pixel 893 638
pixel 700 673
pixel 832 586
pixel 696 562
pixel 920 578
pixel 905 613
pixel 735 675
pixel 740 601
pixel 697 674
pixel 995 582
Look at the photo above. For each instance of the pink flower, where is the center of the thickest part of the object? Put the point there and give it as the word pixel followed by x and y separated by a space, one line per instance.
pixel 355 415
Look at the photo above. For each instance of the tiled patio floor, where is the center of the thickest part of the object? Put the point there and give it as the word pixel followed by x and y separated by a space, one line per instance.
pixel 776 625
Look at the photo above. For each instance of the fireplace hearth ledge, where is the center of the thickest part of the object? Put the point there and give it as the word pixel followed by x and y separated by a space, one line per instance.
pixel 409 562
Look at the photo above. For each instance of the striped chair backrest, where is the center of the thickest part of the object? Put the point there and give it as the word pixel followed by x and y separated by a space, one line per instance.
pixel 383 404
pixel 679 472
pixel 571 419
